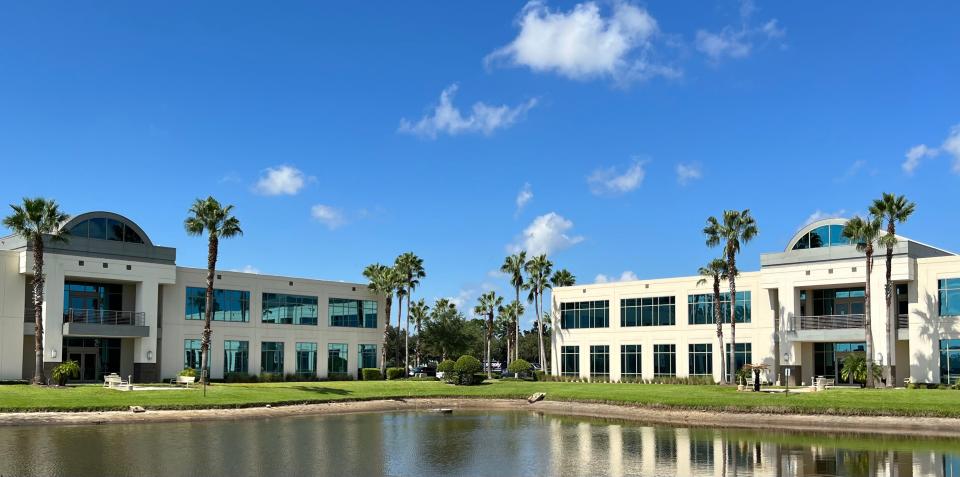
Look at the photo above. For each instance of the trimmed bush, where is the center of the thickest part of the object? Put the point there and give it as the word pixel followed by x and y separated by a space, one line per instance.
pixel 188 372
pixel 65 370
pixel 371 374
pixel 519 366
pixel 395 373
pixel 240 378
pixel 446 367
pixel 539 375
pixel 466 370
pixel 339 377
pixel 270 378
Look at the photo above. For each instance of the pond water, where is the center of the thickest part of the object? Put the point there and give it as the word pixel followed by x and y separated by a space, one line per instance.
pixel 464 443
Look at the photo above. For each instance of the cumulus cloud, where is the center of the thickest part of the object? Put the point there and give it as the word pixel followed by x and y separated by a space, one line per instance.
pixel 524 196
pixel 548 233
pixel 950 146
pixel 283 180
pixel 915 155
pixel 447 118
pixel 247 269
pixel 585 42
pixel 688 172
pixel 327 215
pixel 610 181
pixel 626 276
pixel 738 41
pixel 820 215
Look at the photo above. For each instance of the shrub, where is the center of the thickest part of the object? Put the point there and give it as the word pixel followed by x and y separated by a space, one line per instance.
pixel 239 378
pixel 466 369
pixel 422 378
pixel 270 378
pixel 64 370
pixel 188 372
pixel 445 366
pixel 395 373
pixel 539 375
pixel 339 377
pixel 519 366
pixel 371 374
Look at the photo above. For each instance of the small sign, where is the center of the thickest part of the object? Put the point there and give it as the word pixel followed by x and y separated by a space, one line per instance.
pixel 787 371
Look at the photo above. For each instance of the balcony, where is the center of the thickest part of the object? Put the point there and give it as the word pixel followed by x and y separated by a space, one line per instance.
pixel 104 323
pixel 828 328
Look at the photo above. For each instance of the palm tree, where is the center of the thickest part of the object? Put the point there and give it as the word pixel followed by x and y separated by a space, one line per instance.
pixel 513 265
pixel 894 209
pixel 716 270
pixel 864 233
pixel 410 268
pixel 487 305
pixel 736 227
pixel 538 272
pixel 382 280
pixel 33 220
pixel 563 278
pixel 419 311
pixel 219 222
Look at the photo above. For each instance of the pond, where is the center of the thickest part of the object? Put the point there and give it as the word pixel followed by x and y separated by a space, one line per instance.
pixel 464 443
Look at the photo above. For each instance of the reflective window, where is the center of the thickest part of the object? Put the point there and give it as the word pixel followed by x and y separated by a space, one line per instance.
pixel 271 357
pixel 653 311
pixel 114 230
pixel 585 314
pixel 823 236
pixel 701 359
pixel 105 229
pixel 368 356
pixel 236 356
pixel 289 309
pixel 700 308
pixel 191 355
pixel 949 361
pixel 630 362
pixel 98 228
pixel 743 356
pixel 346 312
pixel 838 301
pixel 336 358
pixel 599 361
pixel 81 296
pixel 570 360
pixel 664 360
pixel 228 305
pixel 949 296
pixel 307 359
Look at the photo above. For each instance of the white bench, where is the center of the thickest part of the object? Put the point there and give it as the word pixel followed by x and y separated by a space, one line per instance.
pixel 114 380
pixel 183 380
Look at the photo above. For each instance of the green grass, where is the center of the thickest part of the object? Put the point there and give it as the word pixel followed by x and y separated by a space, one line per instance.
pixel 889 402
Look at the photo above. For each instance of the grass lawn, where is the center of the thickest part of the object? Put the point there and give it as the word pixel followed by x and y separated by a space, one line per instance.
pixel 891 402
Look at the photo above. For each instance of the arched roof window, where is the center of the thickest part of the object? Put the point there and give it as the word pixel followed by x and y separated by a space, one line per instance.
pixel 823 233
pixel 105 226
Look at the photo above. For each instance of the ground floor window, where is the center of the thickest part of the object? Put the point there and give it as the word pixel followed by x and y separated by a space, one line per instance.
pixel 191 355
pixel 630 362
pixel 95 356
pixel 307 359
pixel 599 361
pixel 701 359
pixel 570 360
pixel 336 358
pixel 742 357
pixel 236 356
pixel 368 356
pixel 664 360
pixel 949 361
pixel 828 357
pixel 271 357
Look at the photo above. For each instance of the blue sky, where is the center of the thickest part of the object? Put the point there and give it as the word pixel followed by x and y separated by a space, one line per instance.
pixel 348 134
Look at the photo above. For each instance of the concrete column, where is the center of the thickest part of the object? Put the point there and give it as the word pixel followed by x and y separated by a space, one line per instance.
pixel 52 312
pixel 145 351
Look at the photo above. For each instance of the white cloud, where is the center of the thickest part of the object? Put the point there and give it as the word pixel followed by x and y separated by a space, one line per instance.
pixel 327 215
pixel 738 41
pixel 547 234
pixel 524 196
pixel 609 181
pixel 915 155
pixel 583 43
pixel 626 276
pixel 247 269
pixel 952 146
pixel 689 172
pixel 447 119
pixel 820 215
pixel 283 180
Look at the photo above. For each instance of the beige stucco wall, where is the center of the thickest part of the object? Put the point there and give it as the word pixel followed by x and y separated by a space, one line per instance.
pixel 11 316
pixel 927 327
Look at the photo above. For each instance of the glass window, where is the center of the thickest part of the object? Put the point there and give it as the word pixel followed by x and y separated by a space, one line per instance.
pixel 701 359
pixel 651 311
pixel 664 360
pixel 700 308
pixel 949 294
pixel 949 361
pixel 585 314
pixel 236 356
pixel 599 361
pixel 630 362
pixel 823 236
pixel 191 355
pixel 336 358
pixel 570 360
pixel 228 305
pixel 271 357
pixel 368 356
pixel 824 360
pixel 114 230
pixel 289 309
pixel 743 356
pixel 97 228
pixel 346 312
pixel 131 236
pixel 307 359
pixel 81 229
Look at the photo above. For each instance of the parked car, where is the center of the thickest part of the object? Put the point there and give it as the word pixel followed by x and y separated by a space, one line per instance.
pixel 426 370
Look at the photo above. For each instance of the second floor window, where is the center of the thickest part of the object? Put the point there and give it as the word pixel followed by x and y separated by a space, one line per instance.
pixel 228 305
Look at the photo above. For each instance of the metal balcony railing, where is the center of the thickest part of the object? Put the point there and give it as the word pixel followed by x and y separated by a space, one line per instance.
pixel 103 317
pixel 829 322
pixel 903 322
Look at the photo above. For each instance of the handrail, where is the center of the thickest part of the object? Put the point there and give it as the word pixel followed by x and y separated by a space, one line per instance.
pixel 103 317
pixel 830 322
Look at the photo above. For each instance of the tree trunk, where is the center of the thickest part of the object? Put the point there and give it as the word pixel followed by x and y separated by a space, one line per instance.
pixel 516 329
pixel 386 335
pixel 417 350
pixel 399 317
pixel 406 338
pixel 732 276
pixel 489 339
pixel 718 319
pixel 890 313
pixel 38 281
pixel 543 357
pixel 208 308
pixel 866 320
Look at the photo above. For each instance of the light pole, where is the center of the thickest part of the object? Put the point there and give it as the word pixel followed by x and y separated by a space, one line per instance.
pixel 786 372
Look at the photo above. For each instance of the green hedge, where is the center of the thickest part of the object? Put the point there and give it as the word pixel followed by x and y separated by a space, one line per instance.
pixel 395 373
pixel 467 371
pixel 519 366
pixel 371 374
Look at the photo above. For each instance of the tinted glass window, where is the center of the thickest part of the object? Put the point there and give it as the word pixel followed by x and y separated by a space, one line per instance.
pixel 129 235
pixel 114 230
pixel 80 230
pixel 98 228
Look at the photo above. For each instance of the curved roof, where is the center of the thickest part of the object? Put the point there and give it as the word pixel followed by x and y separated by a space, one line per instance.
pixel 803 238
pixel 98 224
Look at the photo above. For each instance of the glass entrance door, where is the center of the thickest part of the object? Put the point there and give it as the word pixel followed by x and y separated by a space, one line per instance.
pixel 87 360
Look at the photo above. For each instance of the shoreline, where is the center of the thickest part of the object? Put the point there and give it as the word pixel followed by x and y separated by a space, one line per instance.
pixel 821 423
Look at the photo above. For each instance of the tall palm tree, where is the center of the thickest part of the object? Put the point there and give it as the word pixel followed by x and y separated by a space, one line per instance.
pixel 563 278
pixel 208 215
pixel 864 233
pixel 716 270
pixel 736 228
pixel 894 209
pixel 513 265
pixel 419 310
pixel 538 272
pixel 487 305
pixel 33 220
pixel 383 281
pixel 410 268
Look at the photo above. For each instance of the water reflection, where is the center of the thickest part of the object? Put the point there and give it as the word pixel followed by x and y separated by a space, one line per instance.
pixel 467 443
